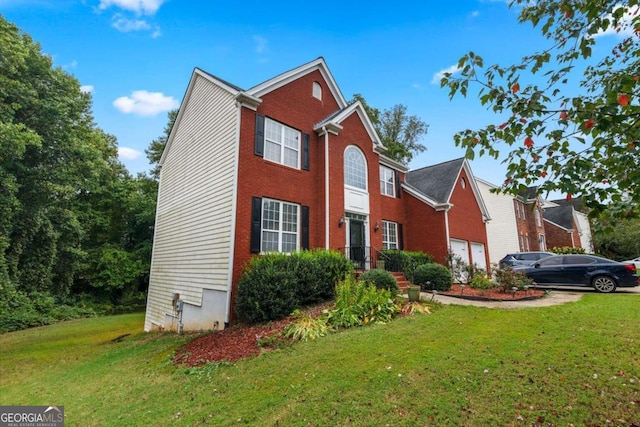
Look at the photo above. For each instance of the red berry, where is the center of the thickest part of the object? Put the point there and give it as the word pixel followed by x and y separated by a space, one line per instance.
pixel 515 88
pixel 528 142
pixel 563 115
pixel 589 123
pixel 623 99
pixel 543 174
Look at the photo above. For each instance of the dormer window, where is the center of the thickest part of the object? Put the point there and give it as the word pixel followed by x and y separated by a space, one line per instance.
pixel 317 90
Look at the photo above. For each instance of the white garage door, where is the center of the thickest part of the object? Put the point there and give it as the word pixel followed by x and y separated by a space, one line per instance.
pixel 460 249
pixel 478 255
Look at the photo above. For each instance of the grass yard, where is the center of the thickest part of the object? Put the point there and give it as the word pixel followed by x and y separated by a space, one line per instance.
pixel 576 364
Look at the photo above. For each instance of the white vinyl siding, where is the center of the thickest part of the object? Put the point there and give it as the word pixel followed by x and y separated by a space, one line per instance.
pixel 502 231
pixel 281 144
pixel 192 244
pixel 387 185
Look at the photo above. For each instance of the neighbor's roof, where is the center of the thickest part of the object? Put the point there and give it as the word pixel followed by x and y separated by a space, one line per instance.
pixel 560 215
pixel 437 181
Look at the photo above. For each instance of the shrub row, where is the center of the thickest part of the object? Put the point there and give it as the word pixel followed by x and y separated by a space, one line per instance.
pixel 274 285
pixel 404 261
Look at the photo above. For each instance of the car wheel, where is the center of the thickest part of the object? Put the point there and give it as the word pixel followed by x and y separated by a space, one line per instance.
pixel 604 284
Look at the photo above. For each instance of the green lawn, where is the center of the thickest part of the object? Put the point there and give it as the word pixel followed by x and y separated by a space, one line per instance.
pixel 461 366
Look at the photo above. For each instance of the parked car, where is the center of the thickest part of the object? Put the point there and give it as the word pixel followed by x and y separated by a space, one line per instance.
pixel 603 274
pixel 518 259
pixel 635 261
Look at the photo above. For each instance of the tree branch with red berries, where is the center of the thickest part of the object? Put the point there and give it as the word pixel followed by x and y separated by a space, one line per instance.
pixel 573 120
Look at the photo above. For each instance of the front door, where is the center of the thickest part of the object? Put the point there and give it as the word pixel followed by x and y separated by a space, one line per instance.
pixel 357 242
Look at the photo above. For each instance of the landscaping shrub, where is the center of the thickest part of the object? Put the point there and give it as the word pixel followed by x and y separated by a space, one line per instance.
pixel 508 279
pixel 306 327
pixel 273 285
pixel 381 279
pixel 566 250
pixel 266 291
pixel 404 261
pixel 438 276
pixel 481 281
pixel 358 303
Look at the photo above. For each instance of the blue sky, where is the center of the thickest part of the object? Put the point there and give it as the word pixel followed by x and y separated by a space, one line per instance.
pixel 136 56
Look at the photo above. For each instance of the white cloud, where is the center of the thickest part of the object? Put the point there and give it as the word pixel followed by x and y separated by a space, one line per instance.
pixel 440 74
pixel 86 88
pixel 474 14
pixel 140 7
pixel 127 153
pixel 144 103
pixel 125 25
pixel 625 27
pixel 156 32
pixel 261 44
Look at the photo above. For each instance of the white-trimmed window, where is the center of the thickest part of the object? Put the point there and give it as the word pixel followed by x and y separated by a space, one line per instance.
pixel 542 241
pixel 389 235
pixel 281 144
pixel 317 90
pixel 355 168
pixel 538 217
pixel 280 225
pixel 387 181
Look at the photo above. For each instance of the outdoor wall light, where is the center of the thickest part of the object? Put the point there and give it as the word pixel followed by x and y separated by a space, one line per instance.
pixel 376 227
pixel 341 221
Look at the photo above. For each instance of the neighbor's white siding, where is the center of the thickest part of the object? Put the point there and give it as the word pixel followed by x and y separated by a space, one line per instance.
pixel 585 231
pixel 192 244
pixel 502 232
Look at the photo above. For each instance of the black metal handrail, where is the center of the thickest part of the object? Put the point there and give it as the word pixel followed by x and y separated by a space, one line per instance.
pixel 365 257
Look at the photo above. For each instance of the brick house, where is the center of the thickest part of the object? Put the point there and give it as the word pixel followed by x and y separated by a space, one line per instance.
pixel 288 165
pixel 529 221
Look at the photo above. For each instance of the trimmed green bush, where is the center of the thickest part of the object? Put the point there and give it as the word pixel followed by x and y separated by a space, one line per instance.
pixel 566 250
pixel 274 285
pixel 438 277
pixel 381 279
pixel 404 261
pixel 266 291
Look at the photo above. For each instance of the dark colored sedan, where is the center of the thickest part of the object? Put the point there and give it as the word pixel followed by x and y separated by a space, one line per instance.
pixel 604 275
pixel 520 259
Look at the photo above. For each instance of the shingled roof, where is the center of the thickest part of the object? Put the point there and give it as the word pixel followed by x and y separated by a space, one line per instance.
pixel 437 181
pixel 560 215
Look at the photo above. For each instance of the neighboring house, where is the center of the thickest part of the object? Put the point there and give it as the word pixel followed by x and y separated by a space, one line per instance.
pixel 529 221
pixel 566 227
pixel 502 230
pixel 581 219
pixel 284 166
pixel 457 216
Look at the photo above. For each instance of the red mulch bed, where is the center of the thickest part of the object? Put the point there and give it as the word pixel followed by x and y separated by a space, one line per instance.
pixel 241 341
pixel 235 343
pixel 492 294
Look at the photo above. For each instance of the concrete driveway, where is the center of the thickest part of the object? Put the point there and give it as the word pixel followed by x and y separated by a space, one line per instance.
pixel 557 295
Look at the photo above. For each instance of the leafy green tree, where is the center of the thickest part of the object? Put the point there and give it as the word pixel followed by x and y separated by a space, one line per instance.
pixel 619 241
pixel 156 148
pixel 583 144
pixel 400 132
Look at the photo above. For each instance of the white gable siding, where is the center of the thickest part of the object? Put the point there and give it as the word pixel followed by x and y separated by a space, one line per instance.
pixel 502 232
pixel 193 244
pixel 585 231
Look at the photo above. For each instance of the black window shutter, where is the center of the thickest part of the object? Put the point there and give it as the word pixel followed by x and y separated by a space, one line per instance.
pixel 398 189
pixel 259 145
pixel 256 224
pixel 304 238
pixel 305 151
pixel 400 238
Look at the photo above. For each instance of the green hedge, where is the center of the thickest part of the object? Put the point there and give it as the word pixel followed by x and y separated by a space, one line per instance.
pixel 381 279
pixel 404 261
pixel 274 285
pixel 433 277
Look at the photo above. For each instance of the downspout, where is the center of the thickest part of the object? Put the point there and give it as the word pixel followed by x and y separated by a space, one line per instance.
pixel 446 228
pixel 326 187
pixel 234 208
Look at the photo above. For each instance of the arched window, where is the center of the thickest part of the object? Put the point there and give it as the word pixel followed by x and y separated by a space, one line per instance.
pixel 355 168
pixel 317 90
